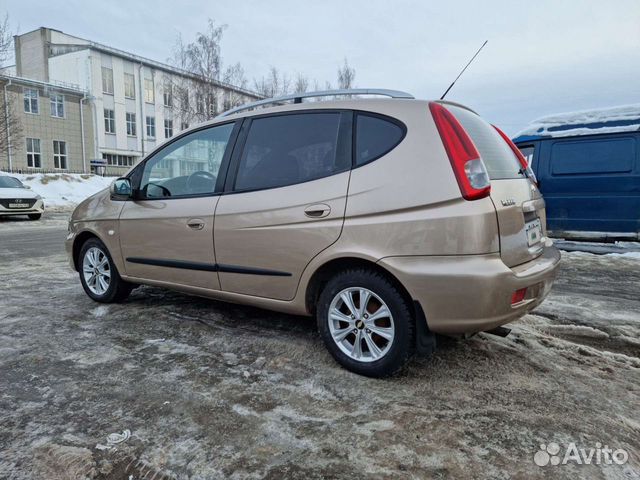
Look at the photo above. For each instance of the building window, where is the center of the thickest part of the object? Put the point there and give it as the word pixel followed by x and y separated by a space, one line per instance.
pixel 148 90
pixel 33 153
pixel 199 103
pixel 129 86
pixel 107 80
pixel 151 127
pixel 60 154
pixel 168 128
pixel 168 96
pixel 118 160
pixel 212 107
pixel 109 121
pixel 131 124
pixel 57 105
pixel 31 100
pixel 184 126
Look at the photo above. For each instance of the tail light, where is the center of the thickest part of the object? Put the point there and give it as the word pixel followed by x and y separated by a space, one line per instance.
pixel 526 168
pixel 518 296
pixel 468 167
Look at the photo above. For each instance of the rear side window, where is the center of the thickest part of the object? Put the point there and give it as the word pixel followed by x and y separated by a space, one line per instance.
pixel 287 149
pixel 611 155
pixel 375 136
pixel 497 156
pixel 527 153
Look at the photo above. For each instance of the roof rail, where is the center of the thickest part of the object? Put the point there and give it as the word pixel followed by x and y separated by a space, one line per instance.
pixel 297 97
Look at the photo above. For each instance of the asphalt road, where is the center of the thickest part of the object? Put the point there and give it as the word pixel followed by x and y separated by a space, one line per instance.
pixel 209 390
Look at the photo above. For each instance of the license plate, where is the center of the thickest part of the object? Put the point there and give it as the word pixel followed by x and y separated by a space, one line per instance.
pixel 18 205
pixel 534 232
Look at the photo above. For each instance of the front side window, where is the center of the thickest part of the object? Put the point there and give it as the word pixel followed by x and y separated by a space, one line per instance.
pixel 148 90
pixel 31 100
pixel 60 154
pixel 129 86
pixel 287 149
pixel 109 121
pixel 57 105
pixel 375 136
pixel 151 127
pixel 188 166
pixel 131 124
pixel 107 80
pixel 33 153
pixel 168 128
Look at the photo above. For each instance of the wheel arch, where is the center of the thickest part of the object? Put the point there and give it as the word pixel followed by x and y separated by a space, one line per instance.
pixel 80 240
pixel 328 269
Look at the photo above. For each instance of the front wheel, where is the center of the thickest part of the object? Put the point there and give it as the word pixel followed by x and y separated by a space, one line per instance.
pixel 99 275
pixel 366 323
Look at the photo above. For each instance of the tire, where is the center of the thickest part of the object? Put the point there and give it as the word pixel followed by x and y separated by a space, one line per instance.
pixel 35 216
pixel 94 252
pixel 380 356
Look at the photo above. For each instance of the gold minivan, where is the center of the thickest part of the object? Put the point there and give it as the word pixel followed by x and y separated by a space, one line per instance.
pixel 388 219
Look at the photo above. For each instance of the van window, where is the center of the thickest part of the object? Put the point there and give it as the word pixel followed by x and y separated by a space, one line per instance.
pixel 188 166
pixel 608 155
pixel 375 137
pixel 287 149
pixel 496 154
pixel 527 153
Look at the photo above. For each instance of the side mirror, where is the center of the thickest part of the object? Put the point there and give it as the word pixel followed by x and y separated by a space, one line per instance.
pixel 121 189
pixel 28 187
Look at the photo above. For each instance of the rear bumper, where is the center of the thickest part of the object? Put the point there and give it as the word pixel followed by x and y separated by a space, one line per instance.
pixel 37 207
pixel 472 293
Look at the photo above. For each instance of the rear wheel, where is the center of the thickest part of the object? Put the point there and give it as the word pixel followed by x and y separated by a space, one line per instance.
pixel 99 275
pixel 35 216
pixel 366 323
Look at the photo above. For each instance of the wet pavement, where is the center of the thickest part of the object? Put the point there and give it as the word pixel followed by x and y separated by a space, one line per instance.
pixel 210 390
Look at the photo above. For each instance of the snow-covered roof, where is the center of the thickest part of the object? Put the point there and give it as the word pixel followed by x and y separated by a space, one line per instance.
pixel 623 118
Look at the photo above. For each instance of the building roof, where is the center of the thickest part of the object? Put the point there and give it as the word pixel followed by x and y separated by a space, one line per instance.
pixel 60 87
pixel 622 118
pixel 149 62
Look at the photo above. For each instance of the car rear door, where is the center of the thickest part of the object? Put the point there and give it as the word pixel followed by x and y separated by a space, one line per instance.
pixel 519 206
pixel 284 200
pixel 166 233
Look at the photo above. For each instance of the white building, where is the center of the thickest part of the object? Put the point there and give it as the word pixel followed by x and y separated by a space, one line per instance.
pixel 137 103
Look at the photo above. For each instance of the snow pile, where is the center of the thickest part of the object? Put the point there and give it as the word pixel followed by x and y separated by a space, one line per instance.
pixel 62 190
pixel 624 118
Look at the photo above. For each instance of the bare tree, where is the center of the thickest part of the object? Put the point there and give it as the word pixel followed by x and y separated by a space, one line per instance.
pixel 10 124
pixel 346 76
pixel 302 84
pixel 274 84
pixel 198 99
pixel 234 75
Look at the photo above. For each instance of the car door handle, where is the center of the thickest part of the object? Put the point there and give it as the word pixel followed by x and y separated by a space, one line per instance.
pixel 318 210
pixel 195 224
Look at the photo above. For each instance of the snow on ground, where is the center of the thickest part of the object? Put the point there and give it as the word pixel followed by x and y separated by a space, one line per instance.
pixel 586 122
pixel 64 190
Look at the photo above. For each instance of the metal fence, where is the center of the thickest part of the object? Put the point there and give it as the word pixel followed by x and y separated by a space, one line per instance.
pixel 29 171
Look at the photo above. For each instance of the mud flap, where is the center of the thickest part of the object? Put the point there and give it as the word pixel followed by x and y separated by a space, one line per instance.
pixel 425 339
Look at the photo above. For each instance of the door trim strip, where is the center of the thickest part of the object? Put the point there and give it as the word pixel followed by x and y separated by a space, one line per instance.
pixel 207 267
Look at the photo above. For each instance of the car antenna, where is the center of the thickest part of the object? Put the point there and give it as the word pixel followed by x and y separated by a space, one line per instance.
pixel 465 67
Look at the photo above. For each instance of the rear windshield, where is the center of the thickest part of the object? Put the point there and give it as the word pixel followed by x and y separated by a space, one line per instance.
pixel 500 161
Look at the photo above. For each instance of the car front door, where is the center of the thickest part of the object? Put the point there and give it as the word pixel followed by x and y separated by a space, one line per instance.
pixel 166 232
pixel 284 200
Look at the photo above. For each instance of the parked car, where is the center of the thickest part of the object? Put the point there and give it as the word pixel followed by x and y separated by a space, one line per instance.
pixel 390 220
pixel 18 199
pixel 588 168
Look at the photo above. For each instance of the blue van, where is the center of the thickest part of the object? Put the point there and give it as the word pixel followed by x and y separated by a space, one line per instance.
pixel 588 172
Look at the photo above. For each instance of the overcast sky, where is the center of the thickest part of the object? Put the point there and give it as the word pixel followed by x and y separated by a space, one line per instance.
pixel 543 56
